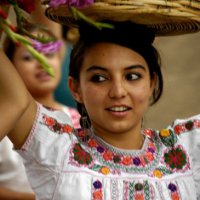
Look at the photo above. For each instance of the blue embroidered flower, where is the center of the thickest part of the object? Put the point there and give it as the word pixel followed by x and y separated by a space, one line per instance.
pixel 151 150
pixel 136 161
pixel 100 149
pixel 97 184
pixel 172 187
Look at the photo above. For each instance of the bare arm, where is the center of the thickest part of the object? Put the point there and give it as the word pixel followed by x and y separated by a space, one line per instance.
pixel 7 194
pixel 17 107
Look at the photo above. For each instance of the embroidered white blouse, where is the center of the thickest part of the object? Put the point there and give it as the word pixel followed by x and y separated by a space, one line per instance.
pixel 67 164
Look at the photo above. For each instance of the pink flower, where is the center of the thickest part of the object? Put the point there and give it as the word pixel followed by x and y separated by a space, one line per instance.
pixel 47 48
pixel 56 3
pixel 75 3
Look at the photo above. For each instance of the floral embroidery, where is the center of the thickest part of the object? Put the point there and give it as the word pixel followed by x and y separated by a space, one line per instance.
pixel 141 161
pixel 187 126
pixel 159 172
pixel 148 132
pixel 97 192
pixel 164 133
pixel 173 191
pixel 104 170
pixel 111 160
pixel 176 158
pixel 81 156
pixel 101 169
pixel 168 137
pixel 55 126
pixel 138 191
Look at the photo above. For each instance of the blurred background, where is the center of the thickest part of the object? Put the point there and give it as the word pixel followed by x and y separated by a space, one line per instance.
pixel 180 56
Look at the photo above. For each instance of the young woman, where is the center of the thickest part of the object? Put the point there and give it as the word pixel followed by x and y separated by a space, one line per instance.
pixel 114 77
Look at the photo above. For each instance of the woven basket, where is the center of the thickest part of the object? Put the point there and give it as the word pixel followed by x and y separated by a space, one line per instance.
pixel 167 17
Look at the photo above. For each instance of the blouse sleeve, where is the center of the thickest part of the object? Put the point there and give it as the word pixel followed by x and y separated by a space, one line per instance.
pixel 45 149
pixel 188 131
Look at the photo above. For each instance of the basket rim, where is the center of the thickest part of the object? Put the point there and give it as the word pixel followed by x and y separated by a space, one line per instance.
pixel 172 19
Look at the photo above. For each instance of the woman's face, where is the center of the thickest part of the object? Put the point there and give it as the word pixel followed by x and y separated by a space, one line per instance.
pixel 36 79
pixel 115 87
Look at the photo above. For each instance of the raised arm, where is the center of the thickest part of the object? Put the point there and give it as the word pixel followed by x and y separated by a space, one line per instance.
pixel 17 107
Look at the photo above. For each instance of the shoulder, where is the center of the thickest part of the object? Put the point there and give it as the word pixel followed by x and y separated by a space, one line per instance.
pixel 190 124
pixel 56 121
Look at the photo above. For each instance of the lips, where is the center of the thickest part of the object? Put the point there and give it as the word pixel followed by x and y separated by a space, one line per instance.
pixel 43 75
pixel 118 108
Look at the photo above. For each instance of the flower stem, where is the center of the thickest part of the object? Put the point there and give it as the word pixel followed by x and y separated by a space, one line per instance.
pixel 79 15
pixel 42 59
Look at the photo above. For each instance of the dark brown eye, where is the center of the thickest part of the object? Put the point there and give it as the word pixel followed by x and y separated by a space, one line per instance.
pixel 27 57
pixel 98 78
pixel 132 76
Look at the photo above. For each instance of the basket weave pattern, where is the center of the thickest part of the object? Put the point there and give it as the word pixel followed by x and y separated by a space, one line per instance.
pixel 166 16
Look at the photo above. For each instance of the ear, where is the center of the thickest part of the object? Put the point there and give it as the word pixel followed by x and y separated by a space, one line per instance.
pixel 75 89
pixel 153 82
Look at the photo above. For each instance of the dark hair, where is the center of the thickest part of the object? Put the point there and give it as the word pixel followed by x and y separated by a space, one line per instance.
pixel 136 37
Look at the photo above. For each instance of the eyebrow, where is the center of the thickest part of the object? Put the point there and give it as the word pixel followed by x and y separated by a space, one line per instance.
pixel 94 67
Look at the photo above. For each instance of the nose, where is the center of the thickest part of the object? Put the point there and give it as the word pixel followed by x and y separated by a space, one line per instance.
pixel 117 89
pixel 38 64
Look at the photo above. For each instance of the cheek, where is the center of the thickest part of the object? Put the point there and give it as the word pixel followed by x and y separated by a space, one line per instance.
pixel 91 96
pixel 25 71
pixel 141 95
pixel 55 63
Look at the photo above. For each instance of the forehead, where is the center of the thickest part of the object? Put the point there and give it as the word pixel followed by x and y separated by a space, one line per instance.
pixel 111 55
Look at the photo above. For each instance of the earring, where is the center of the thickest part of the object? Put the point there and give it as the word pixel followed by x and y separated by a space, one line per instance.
pixel 84 121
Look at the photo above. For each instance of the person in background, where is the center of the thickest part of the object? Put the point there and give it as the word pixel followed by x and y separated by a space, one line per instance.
pixel 14 184
pixel 13 181
pixel 38 82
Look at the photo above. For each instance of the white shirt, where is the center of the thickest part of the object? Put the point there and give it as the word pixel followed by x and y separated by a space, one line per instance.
pixel 67 164
pixel 12 170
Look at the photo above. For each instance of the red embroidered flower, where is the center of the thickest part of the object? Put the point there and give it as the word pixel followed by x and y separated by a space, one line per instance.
pixel 92 143
pixel 149 156
pixel 175 196
pixel 148 132
pixel 178 129
pixel 97 195
pixel 107 155
pixel 175 158
pixel 81 156
pixel 49 121
pixel 139 196
pixel 127 160
pixel 151 145
pixel 66 128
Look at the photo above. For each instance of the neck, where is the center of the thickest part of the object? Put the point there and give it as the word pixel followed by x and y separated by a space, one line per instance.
pixel 131 140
